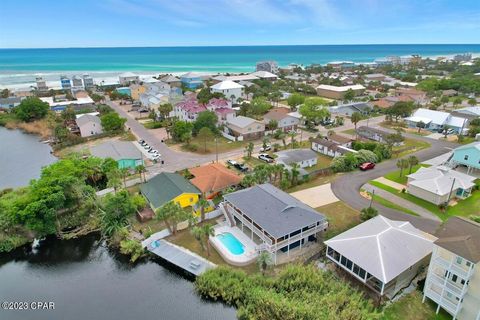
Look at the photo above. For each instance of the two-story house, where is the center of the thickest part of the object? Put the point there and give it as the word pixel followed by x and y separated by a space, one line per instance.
pixel 285 121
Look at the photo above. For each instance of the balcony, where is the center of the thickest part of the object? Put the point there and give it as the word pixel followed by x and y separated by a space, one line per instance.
pixel 445 303
pixel 453 267
pixel 448 285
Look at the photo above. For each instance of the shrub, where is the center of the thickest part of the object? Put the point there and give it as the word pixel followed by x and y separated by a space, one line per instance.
pixel 132 248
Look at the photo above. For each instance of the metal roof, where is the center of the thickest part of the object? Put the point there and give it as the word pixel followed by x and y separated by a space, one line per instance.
pixel 384 248
pixel 118 150
pixel 439 180
pixel 274 210
pixel 296 155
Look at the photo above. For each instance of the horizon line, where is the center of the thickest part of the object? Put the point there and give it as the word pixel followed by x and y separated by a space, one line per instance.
pixel 241 45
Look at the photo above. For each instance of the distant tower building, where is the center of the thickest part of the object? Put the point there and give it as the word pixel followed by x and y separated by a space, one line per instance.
pixel 41 84
pixel 269 66
pixel 77 83
pixel 66 83
pixel 88 81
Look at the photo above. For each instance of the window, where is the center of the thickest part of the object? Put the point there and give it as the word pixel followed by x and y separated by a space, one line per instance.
pixel 343 261
pixel 468 262
pixel 466 157
pixel 349 264
pixel 459 260
pixel 454 278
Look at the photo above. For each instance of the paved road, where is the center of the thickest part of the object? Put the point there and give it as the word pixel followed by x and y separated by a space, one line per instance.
pixel 347 186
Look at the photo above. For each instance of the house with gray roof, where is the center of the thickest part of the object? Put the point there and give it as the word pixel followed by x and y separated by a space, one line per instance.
pixel 304 158
pixel 277 222
pixel 89 125
pixel 348 109
pixel 10 102
pixel 124 152
pixel 385 255
pixel 244 128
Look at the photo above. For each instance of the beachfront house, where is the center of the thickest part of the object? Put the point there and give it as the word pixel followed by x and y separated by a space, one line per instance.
pixel 271 220
pixel 436 120
pixel 440 184
pixel 383 254
pixel 265 75
pixel 128 78
pixel 269 66
pixel 10 102
pixel 467 156
pixel 172 81
pixel 124 152
pixel 191 80
pixel 89 125
pixel 231 90
pixel 285 121
pixel 244 128
pixel 338 92
pixel 166 187
pixel 453 279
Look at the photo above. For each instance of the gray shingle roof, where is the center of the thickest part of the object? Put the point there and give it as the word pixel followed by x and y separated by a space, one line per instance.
pixel 385 248
pixel 117 150
pixel 277 212
pixel 86 118
pixel 241 121
pixel 296 155
pixel 462 237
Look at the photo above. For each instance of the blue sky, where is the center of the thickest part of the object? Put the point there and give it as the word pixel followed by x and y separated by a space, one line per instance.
pixel 107 23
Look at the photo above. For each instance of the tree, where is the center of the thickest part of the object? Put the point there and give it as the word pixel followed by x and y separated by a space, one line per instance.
pixel 202 203
pixel 5 93
pixel 114 179
pixel 400 109
pixel 205 134
pixel 445 131
pixel 265 142
pixel 330 133
pixel 472 101
pixel 205 119
pixel 249 149
pixel 31 108
pixel 313 110
pixel 263 261
pixel 204 95
pixel 116 209
pixel 356 117
pixel 124 172
pixel 112 122
pixel 444 100
pixel 132 248
pixel 197 233
pixel 394 138
pixel 457 101
pixel 272 124
pixel 420 125
pixel 292 134
pixel 208 231
pixel 141 169
pixel 349 95
pixel 181 131
pixel 294 172
pixel 412 161
pixel 368 213
pixel 259 106
pixel 165 109
pixel 402 164
pixel 295 100
pixel 68 114
pixel 171 213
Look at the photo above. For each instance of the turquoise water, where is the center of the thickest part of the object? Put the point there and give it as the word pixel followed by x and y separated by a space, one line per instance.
pixel 18 65
pixel 231 243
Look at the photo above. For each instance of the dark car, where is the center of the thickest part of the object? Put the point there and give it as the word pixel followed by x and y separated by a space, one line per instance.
pixel 367 166
pixel 242 167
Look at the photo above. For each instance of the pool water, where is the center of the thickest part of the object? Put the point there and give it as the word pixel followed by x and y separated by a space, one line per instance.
pixel 231 243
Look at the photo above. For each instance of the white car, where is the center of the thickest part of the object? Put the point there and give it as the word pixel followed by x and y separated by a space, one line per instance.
pixel 267 148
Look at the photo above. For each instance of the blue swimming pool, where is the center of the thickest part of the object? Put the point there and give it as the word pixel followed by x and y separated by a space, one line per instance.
pixel 231 243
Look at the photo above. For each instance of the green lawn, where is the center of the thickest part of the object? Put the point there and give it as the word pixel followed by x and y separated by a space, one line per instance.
pixel 322 162
pixel 340 217
pixel 349 131
pixel 319 180
pixel 395 175
pixel 420 202
pixel 389 204
pixel 466 207
pixel 409 146
pixel 411 307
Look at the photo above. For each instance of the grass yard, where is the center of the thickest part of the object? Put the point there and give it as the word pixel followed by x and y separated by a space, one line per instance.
pixel 197 145
pixel 322 162
pixel 411 307
pixel 252 162
pixel 389 204
pixel 319 180
pixel 466 207
pixel 395 175
pixel 340 217
pixel 409 146
pixel 420 202
pixel 349 131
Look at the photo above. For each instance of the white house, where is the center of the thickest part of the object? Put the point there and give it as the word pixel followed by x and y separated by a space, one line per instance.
pixel 89 125
pixel 304 158
pixel 230 89
pixel 385 255
pixel 330 147
pixel 436 120
pixel 128 77
pixel 439 184
pixel 285 121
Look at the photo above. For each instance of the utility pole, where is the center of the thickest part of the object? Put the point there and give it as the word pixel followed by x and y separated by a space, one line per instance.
pixel 371 198
pixel 450 194
pixel 216 149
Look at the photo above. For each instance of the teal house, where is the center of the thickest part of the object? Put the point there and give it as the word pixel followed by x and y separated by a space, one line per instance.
pixel 124 152
pixel 468 156
pixel 191 80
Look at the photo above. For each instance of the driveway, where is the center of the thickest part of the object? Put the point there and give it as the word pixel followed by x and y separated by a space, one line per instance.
pixel 316 196
pixel 347 186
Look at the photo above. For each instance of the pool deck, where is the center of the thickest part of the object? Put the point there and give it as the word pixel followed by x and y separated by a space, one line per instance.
pixel 243 259
pixel 181 257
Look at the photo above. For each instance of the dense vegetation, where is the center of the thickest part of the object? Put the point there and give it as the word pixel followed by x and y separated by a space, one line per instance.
pixel 298 292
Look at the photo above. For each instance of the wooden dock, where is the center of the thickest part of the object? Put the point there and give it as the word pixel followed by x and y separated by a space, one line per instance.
pixel 181 257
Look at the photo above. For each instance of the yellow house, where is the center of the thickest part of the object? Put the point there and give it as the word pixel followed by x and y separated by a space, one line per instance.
pixel 166 187
pixel 136 90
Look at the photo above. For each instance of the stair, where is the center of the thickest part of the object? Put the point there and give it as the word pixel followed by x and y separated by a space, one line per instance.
pixel 228 216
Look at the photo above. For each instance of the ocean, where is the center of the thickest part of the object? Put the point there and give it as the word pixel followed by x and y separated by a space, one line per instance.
pixel 19 66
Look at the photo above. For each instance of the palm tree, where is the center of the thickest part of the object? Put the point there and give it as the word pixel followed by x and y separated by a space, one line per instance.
pixel 402 164
pixel 208 231
pixel 113 179
pixel 263 261
pixel 141 169
pixel 202 203
pixel 355 118
pixel 197 233
pixel 368 213
pixel 292 135
pixel 171 213
pixel 412 161
pixel 294 173
pixel 249 149
pixel 124 173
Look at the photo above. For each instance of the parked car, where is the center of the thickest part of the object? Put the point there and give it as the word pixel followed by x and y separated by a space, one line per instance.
pixel 266 157
pixel 239 166
pixel 153 151
pixel 450 131
pixel 147 147
pixel 367 166
pixel 155 156
pixel 232 162
pixel 141 141
pixel 267 148
pixel 327 122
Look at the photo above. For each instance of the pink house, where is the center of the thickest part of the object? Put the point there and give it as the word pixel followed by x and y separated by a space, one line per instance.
pixel 188 110
pixel 222 108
